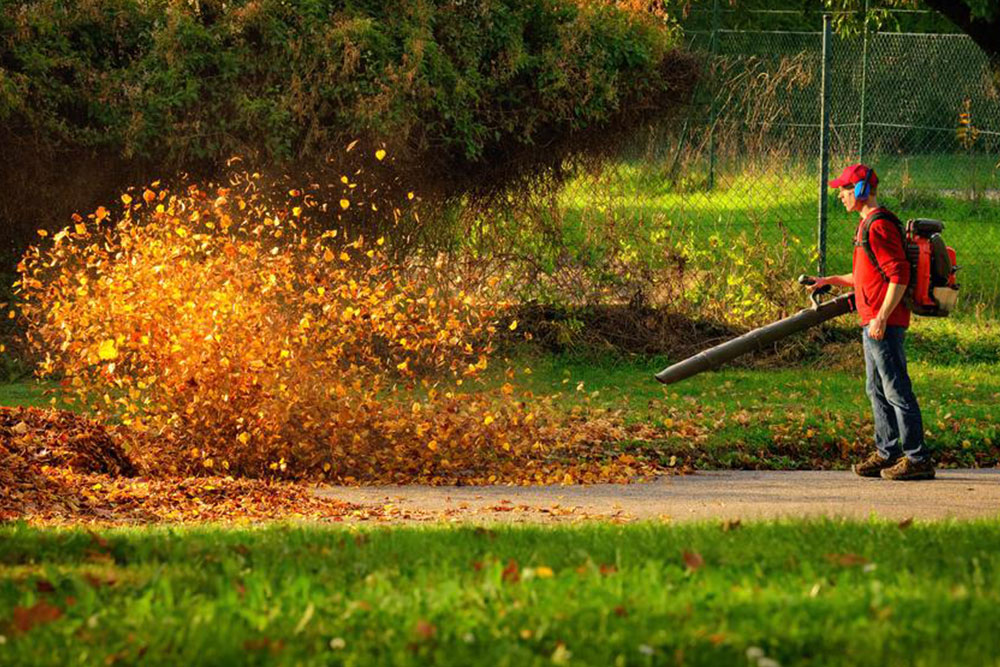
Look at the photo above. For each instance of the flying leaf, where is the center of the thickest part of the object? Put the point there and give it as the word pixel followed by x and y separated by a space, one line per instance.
pixel 108 350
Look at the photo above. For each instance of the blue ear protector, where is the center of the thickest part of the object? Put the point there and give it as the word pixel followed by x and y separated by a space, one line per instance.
pixel 861 188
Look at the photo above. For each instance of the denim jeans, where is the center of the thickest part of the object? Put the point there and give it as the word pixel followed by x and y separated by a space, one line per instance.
pixel 899 428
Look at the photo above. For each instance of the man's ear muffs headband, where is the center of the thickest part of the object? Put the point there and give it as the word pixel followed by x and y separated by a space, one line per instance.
pixel 861 188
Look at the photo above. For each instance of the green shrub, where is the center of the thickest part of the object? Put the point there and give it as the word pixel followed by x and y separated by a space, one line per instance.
pixel 453 81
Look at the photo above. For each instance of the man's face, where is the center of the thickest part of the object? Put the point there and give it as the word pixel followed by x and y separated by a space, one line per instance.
pixel 848 199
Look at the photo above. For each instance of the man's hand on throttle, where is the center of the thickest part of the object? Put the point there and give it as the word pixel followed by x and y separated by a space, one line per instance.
pixel 817 283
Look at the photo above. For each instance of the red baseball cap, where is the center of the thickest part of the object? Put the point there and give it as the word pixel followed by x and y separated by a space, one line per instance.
pixel 855 173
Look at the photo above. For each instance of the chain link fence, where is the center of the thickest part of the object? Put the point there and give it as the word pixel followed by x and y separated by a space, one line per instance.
pixel 717 206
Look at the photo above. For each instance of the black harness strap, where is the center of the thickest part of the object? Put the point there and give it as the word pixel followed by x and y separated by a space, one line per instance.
pixel 866 226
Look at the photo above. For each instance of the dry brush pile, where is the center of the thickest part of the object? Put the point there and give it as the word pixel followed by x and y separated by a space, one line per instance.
pixel 227 334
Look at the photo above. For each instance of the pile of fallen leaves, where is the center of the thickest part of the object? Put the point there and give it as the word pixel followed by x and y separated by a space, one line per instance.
pixel 57 466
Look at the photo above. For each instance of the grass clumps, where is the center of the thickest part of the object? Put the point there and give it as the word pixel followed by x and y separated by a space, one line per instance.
pixel 819 592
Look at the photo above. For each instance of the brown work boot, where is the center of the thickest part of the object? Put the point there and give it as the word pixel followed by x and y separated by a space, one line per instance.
pixel 907 469
pixel 873 465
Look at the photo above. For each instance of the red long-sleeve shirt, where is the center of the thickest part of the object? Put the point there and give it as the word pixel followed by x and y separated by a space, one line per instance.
pixel 869 287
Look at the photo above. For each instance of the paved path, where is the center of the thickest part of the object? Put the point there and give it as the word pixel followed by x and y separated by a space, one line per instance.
pixel 723 495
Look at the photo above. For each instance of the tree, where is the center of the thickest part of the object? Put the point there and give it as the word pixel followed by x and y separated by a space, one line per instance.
pixel 979 19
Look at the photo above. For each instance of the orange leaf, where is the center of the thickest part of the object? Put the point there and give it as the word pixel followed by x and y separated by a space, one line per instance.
pixel 39 614
pixel 425 629
pixel 846 560
pixel 511 573
pixel 693 560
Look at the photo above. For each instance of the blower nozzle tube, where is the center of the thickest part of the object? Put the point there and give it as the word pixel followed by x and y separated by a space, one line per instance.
pixel 756 339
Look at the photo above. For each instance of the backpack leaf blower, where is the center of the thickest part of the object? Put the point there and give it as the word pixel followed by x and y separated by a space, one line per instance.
pixel 932 292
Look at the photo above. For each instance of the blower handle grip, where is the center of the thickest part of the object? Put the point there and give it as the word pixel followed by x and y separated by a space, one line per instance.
pixel 816 293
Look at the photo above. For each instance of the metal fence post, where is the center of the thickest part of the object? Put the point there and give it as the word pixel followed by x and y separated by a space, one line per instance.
pixel 824 143
pixel 864 86
pixel 714 48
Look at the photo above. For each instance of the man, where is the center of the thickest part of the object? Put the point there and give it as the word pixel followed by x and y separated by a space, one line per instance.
pixel 901 453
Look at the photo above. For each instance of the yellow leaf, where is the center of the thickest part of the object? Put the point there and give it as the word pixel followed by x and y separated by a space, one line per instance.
pixel 126 199
pixel 432 445
pixel 107 350
pixel 513 325
pixel 544 572
pixel 81 229
pixel 297 211
pixel 380 155
pixel 243 438
pixel 403 366
pixel 42 233
pixel 344 257
pixel 344 204
pixel 409 195
pixel 488 420
pixel 328 256
pixel 381 240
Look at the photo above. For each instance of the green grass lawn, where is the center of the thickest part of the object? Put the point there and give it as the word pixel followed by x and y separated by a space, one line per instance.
pixel 26 393
pixel 795 415
pixel 817 593
pixel 800 415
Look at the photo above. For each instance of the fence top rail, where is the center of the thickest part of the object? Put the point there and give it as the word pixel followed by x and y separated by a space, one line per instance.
pixel 806 12
pixel 755 32
pixel 926 127
pixel 873 33
pixel 889 33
